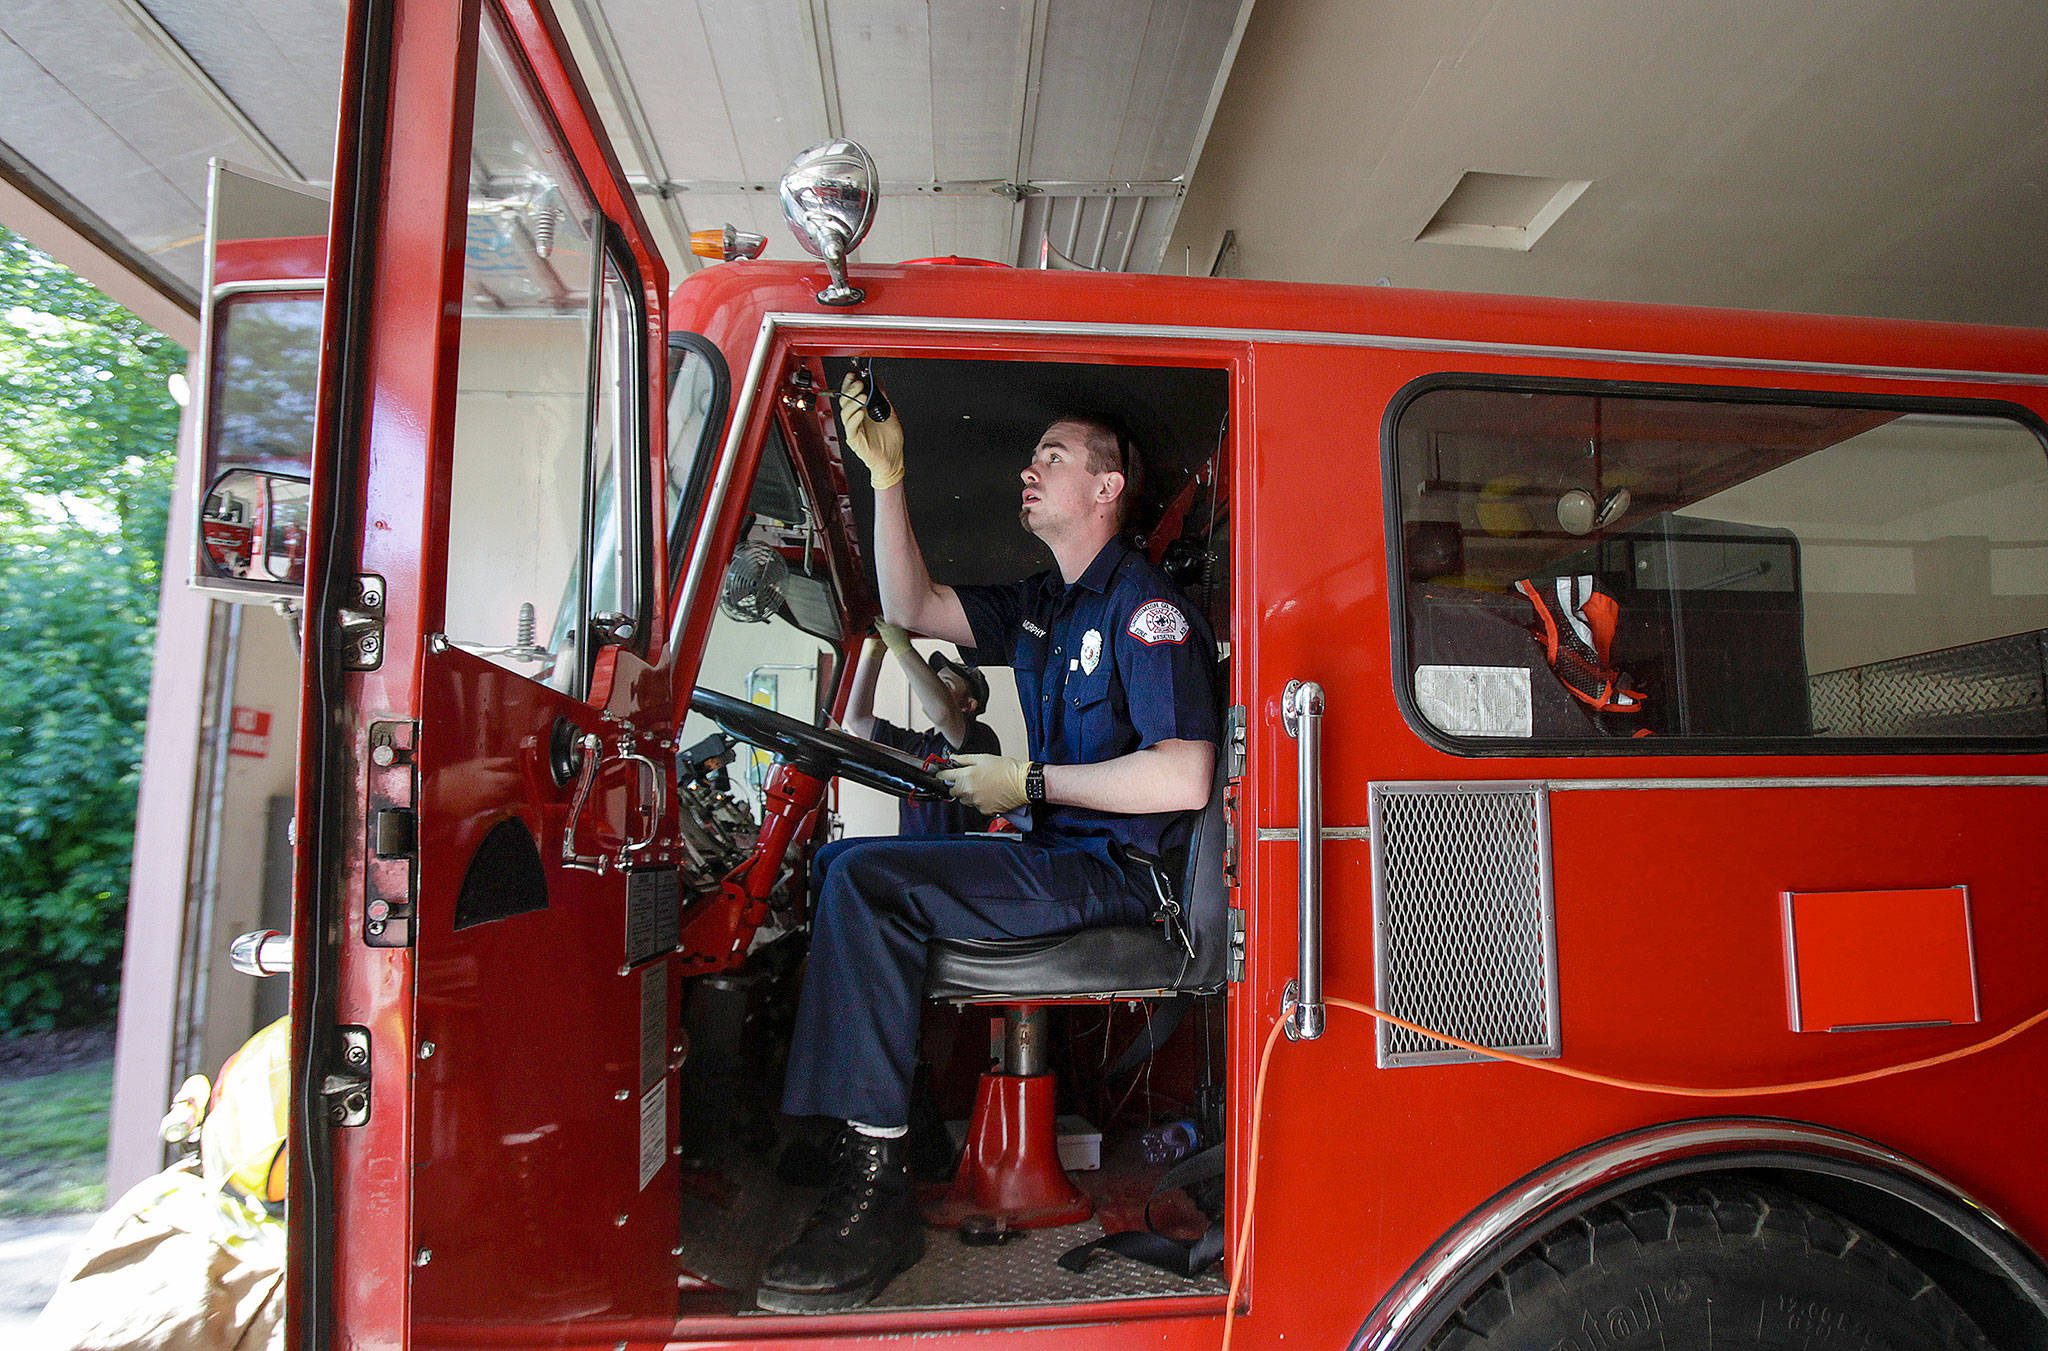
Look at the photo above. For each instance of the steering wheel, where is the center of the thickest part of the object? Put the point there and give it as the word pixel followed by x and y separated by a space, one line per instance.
pixel 819 751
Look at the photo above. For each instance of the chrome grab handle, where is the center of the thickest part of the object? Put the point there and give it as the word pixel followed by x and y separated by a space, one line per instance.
pixel 654 776
pixel 264 952
pixel 1301 708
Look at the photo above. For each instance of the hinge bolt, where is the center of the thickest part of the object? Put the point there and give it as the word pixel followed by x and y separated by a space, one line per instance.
pixel 422 1257
pixel 426 1050
pixel 357 1054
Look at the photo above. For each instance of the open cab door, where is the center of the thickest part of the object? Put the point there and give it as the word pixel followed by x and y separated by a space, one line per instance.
pixel 485 799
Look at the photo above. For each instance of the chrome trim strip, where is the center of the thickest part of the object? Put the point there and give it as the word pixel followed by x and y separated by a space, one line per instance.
pixel 1394 343
pixel 1415 1306
pixel 235 288
pixel 1283 834
pixel 1814 781
pixel 1288 834
pixel 714 500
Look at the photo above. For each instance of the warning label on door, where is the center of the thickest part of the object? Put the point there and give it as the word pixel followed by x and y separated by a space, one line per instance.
pixel 249 732
pixel 653 1132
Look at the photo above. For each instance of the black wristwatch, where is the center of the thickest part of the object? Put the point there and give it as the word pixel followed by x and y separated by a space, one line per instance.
pixel 1034 783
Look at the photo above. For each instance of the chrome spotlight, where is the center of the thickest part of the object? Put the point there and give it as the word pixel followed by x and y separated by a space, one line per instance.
pixel 828 194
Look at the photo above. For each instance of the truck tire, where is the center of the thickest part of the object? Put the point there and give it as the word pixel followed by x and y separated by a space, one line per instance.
pixel 1710 1266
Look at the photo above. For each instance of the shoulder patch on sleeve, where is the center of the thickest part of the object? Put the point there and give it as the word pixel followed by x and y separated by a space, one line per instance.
pixel 1159 621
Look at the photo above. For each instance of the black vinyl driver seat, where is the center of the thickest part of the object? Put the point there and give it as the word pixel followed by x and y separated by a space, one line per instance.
pixel 1132 961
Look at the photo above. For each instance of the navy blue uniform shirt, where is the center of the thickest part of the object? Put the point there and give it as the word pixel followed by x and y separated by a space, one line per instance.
pixel 1110 665
pixel 919 820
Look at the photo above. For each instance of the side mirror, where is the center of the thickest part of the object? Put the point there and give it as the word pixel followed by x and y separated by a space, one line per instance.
pixel 828 194
pixel 252 531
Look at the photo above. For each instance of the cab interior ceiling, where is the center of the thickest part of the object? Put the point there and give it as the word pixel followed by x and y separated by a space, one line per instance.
pixel 970 427
pixel 1458 448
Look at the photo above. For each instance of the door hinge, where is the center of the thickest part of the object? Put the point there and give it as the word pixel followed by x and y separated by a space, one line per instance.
pixel 390 866
pixel 1230 841
pixel 345 1084
pixel 1233 742
pixel 361 622
pixel 1234 968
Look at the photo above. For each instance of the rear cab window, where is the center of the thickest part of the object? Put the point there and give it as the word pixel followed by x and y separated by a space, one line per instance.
pixel 1645 569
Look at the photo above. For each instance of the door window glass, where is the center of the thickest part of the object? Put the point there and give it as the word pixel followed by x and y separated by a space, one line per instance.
pixel 616 604
pixel 696 405
pixel 546 408
pixel 1583 566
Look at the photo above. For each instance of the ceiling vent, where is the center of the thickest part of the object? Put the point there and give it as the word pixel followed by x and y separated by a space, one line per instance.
pixel 1501 211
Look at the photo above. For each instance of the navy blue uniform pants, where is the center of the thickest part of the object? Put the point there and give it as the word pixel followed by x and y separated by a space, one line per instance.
pixel 880 902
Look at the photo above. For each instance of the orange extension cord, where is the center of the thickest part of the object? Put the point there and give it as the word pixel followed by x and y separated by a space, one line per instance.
pixel 1251 1188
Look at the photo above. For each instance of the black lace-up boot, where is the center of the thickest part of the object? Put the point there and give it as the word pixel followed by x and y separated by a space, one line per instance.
pixel 865 1232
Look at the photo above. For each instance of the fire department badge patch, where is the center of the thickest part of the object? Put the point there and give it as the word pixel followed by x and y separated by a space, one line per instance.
pixel 1091 651
pixel 1159 621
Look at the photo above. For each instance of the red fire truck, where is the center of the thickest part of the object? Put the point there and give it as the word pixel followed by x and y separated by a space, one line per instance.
pixel 1618 923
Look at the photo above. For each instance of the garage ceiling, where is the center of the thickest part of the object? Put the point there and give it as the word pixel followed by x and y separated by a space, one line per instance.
pixel 1829 155
pixel 1825 156
pixel 995 124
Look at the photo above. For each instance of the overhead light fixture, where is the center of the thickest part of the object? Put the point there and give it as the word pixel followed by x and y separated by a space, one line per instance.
pixel 1501 211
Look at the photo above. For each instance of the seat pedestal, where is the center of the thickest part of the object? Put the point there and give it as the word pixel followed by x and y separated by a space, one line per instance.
pixel 1010 1162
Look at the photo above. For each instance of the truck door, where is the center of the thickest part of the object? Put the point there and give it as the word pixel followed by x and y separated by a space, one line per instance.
pixel 487 905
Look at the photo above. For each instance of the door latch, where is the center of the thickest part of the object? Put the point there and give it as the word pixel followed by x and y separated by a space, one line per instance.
pixel 390 863
pixel 345 1081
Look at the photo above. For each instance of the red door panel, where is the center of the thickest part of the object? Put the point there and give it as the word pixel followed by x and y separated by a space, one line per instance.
pixel 490 439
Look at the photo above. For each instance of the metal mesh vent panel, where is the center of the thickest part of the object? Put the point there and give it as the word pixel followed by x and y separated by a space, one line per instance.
pixel 1995 688
pixel 1462 919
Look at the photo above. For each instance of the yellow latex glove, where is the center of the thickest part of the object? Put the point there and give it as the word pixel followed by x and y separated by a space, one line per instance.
pixel 896 639
pixel 879 444
pixel 991 784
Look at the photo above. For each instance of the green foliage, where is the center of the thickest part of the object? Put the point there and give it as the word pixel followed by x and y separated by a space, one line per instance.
pixel 87 442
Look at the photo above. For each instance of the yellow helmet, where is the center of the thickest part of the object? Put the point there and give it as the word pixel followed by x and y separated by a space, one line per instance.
pixel 242 1142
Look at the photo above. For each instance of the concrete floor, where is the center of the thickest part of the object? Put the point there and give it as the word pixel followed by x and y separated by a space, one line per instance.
pixel 32 1253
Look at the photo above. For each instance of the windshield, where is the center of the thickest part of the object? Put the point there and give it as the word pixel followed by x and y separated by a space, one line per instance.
pixel 775 639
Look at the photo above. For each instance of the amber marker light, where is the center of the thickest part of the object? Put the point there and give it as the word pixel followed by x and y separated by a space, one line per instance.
pixel 727 244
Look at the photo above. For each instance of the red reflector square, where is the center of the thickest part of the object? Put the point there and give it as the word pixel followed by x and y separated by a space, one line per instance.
pixel 1871 959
